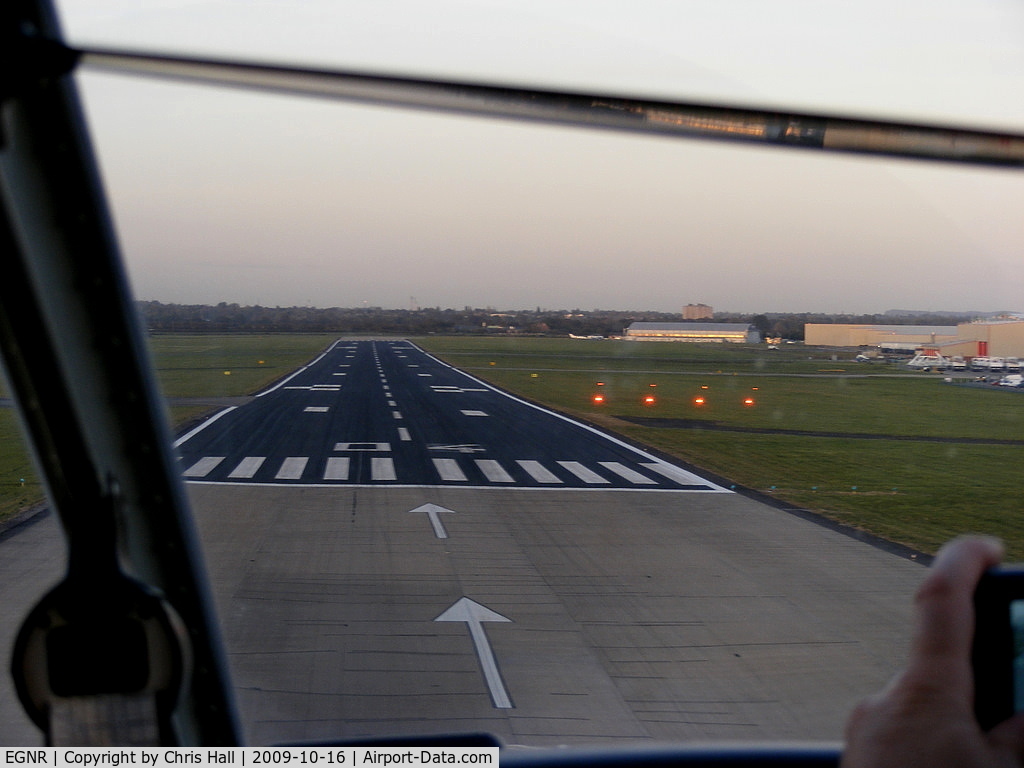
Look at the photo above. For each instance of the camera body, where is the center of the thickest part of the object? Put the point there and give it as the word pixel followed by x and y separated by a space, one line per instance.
pixel 998 652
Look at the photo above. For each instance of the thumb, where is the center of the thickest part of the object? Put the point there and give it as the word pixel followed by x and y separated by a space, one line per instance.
pixel 1008 737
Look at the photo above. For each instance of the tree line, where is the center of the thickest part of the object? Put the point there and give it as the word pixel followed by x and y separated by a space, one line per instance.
pixel 235 318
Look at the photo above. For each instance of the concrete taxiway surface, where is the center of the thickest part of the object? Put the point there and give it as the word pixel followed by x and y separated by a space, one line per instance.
pixel 609 616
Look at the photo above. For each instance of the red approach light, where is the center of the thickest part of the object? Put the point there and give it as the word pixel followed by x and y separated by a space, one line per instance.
pixel 649 400
pixel 598 399
pixel 748 401
pixel 699 401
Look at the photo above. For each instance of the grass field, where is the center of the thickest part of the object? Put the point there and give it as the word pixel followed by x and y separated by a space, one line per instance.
pixel 919 490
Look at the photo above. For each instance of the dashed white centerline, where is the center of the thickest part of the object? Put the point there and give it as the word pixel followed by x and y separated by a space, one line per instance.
pixel 403 434
pixel 473 413
pixel 396 414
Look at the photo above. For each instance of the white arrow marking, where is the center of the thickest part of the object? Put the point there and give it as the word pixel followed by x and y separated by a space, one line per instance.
pixel 474 615
pixel 462 448
pixel 433 511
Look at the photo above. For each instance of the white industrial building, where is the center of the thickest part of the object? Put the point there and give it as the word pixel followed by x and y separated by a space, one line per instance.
pixel 736 333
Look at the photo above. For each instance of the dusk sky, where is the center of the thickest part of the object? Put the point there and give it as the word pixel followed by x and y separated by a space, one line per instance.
pixel 224 195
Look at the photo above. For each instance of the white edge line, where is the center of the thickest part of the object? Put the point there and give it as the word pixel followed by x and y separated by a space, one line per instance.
pixel 581 425
pixel 300 370
pixel 192 433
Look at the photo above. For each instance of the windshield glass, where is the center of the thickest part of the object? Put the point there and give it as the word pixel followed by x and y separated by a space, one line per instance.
pixel 568 436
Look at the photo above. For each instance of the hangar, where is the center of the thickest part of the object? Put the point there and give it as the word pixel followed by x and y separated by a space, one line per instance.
pixel 735 333
pixel 1002 338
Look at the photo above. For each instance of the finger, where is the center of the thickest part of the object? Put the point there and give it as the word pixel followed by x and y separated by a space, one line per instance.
pixel 945 605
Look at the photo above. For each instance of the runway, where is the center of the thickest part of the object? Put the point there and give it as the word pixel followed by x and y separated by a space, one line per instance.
pixel 388 412
pixel 396 548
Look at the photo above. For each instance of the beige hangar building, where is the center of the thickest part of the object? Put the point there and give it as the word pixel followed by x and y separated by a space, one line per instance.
pixel 995 338
pixel 735 333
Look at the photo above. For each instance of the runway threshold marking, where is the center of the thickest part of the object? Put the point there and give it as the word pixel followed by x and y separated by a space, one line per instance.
pixel 538 471
pixel 382 468
pixel 493 471
pixel 583 473
pixel 449 470
pixel 248 467
pixel 626 473
pixel 203 467
pixel 292 468
pixel 337 468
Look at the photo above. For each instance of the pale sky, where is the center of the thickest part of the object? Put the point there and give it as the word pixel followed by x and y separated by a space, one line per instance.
pixel 232 196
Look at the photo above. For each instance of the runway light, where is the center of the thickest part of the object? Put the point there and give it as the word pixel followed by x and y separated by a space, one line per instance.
pixel 704 386
pixel 598 399
pixel 649 400
pixel 698 401
pixel 748 401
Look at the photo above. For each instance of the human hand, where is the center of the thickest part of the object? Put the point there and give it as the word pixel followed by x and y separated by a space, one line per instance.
pixel 925 716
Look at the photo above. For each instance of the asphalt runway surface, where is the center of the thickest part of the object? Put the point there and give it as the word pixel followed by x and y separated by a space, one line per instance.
pixel 397 548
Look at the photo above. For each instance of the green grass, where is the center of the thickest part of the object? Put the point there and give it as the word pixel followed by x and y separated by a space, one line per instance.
pixel 228 365
pixel 19 485
pixel 914 492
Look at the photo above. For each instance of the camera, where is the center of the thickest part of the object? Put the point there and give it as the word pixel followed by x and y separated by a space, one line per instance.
pixel 998 652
